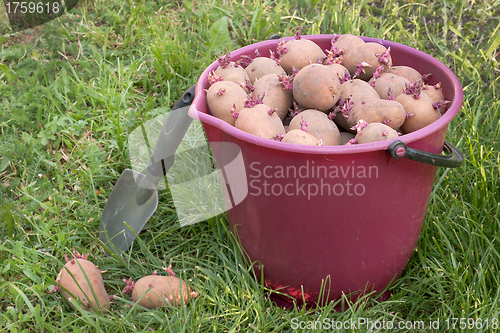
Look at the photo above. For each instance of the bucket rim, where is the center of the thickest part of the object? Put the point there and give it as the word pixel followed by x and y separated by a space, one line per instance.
pixel 199 111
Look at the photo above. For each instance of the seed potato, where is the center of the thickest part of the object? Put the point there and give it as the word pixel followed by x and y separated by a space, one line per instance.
pixel 337 69
pixel 407 72
pixel 318 125
pixel 353 92
pixel 260 121
pixel 300 53
pixel 397 85
pixel 316 87
pixel 368 53
pixel 420 112
pixel 358 90
pixel 436 94
pixel 82 279
pixel 235 73
pixel 348 43
pixel 222 96
pixel 153 291
pixel 275 95
pixel 391 113
pixel 374 132
pixel 299 137
pixel 261 66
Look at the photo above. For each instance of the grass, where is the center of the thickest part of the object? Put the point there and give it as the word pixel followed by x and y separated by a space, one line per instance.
pixel 72 91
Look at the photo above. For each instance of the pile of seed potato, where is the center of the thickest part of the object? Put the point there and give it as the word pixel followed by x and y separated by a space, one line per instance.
pixel 301 94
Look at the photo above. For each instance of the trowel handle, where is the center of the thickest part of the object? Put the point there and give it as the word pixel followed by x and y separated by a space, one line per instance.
pixel 186 99
pixel 171 135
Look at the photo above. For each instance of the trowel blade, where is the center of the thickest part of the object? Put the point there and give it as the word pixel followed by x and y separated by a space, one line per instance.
pixel 122 207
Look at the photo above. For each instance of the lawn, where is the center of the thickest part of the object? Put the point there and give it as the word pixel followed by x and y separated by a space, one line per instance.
pixel 74 89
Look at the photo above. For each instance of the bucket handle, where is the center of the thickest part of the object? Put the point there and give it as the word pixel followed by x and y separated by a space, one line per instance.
pixel 452 159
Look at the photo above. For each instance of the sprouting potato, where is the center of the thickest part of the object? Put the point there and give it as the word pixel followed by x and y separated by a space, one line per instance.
pixel 153 291
pixel 434 92
pixel 352 92
pixel 374 132
pixel 260 120
pixel 261 66
pixel 298 53
pixel 358 91
pixel 299 137
pixel 81 281
pixel 389 85
pixel 316 87
pixel 337 69
pixel 419 112
pixel 348 43
pixel 364 60
pixel 235 73
pixel 158 290
pixel 275 94
pixel 318 125
pixel 390 113
pixel 224 98
pixel 407 72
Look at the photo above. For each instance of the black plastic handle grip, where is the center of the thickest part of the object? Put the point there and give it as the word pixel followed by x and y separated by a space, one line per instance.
pixel 186 98
pixel 452 159
pixel 173 130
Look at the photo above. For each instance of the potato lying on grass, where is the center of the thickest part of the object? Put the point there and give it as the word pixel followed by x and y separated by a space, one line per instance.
pixel 81 280
pixel 155 290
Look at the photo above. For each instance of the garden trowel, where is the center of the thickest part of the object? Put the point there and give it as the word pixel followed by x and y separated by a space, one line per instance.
pixel 134 198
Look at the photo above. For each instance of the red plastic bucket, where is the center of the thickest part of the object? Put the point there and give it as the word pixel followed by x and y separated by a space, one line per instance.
pixel 345 217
